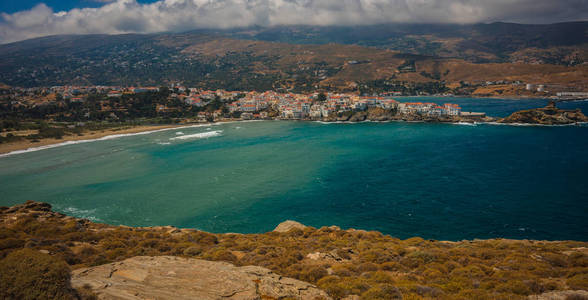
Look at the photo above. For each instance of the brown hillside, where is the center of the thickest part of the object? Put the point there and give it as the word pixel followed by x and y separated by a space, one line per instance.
pixel 354 63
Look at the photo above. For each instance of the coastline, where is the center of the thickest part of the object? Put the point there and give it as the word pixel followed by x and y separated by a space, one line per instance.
pixel 18 147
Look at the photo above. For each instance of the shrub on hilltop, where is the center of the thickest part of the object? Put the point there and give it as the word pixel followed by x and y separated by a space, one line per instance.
pixel 30 274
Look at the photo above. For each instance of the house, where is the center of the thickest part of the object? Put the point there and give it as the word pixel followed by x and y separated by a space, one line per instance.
pixel 196 101
pixel 452 109
pixel 248 107
pixel 287 113
pixel 113 94
pixel 202 117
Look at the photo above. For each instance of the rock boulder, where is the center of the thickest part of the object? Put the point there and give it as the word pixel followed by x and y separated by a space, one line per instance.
pixel 170 277
pixel 288 225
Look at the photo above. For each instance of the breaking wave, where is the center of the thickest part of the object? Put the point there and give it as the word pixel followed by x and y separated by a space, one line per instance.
pixel 202 135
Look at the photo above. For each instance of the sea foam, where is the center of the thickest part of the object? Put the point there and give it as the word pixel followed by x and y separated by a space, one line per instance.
pixel 82 213
pixel 104 138
pixel 465 123
pixel 202 135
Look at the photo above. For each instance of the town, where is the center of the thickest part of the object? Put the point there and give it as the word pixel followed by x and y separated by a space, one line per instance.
pixel 177 101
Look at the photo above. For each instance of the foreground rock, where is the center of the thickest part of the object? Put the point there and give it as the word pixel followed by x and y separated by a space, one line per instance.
pixel 548 115
pixel 288 225
pixel 561 295
pixel 170 277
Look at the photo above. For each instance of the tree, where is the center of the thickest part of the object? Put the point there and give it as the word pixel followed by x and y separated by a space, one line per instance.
pixel 321 97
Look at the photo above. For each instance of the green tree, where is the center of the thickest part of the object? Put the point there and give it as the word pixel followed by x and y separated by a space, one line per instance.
pixel 321 97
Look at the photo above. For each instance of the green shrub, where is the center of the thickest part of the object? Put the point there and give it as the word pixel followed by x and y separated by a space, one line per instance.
pixel 367 267
pixel 222 255
pixel 313 274
pixel 332 285
pixel 515 287
pixel 578 282
pixel 556 260
pixel 192 251
pixel 382 291
pixel 578 259
pixel 11 243
pixel 29 274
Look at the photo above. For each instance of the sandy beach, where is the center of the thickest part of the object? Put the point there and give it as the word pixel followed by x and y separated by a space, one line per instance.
pixel 89 135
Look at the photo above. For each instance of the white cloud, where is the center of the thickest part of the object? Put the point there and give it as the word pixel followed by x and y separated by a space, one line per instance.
pixel 125 16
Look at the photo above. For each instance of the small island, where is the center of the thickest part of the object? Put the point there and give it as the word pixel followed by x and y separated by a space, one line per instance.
pixel 548 115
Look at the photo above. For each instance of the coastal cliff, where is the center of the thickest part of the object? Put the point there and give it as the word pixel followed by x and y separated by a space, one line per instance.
pixel 46 254
pixel 548 115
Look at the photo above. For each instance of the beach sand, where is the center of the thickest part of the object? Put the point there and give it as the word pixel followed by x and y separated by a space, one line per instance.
pixel 89 135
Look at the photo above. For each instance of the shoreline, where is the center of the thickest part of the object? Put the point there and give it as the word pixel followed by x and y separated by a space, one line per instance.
pixel 9 149
pixel 20 147
pixel 173 228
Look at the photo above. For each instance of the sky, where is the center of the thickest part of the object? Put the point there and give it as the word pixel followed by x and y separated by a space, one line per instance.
pixel 24 19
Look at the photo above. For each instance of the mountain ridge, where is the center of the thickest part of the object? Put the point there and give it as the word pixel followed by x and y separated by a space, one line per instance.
pixel 233 60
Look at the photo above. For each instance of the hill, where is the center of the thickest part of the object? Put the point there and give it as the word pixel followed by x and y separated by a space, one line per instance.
pixel 561 43
pixel 217 60
pixel 36 242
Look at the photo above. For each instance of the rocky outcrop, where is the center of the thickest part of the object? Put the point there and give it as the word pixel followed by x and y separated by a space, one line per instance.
pixel 288 225
pixel 378 114
pixel 548 115
pixel 358 117
pixel 170 277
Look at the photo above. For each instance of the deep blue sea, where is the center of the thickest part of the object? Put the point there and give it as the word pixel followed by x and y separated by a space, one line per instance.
pixel 437 181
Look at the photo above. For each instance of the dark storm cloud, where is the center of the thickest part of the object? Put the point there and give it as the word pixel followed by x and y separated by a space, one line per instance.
pixel 123 16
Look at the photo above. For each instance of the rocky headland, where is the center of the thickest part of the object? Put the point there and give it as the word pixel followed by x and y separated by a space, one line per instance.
pixel 548 115
pixel 378 114
pixel 48 255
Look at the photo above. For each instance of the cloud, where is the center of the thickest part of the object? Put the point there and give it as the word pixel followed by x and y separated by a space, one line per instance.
pixel 126 16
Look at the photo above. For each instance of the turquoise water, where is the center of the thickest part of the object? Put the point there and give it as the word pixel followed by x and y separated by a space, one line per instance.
pixel 438 181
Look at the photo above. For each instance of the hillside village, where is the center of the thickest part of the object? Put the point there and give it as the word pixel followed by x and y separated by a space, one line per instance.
pixel 217 105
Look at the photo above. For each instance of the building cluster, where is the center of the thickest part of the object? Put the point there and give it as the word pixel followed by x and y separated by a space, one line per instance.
pixel 300 106
pixel 431 109
pixel 254 105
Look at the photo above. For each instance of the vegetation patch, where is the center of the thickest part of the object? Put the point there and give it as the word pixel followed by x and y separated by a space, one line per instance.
pixel 369 265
